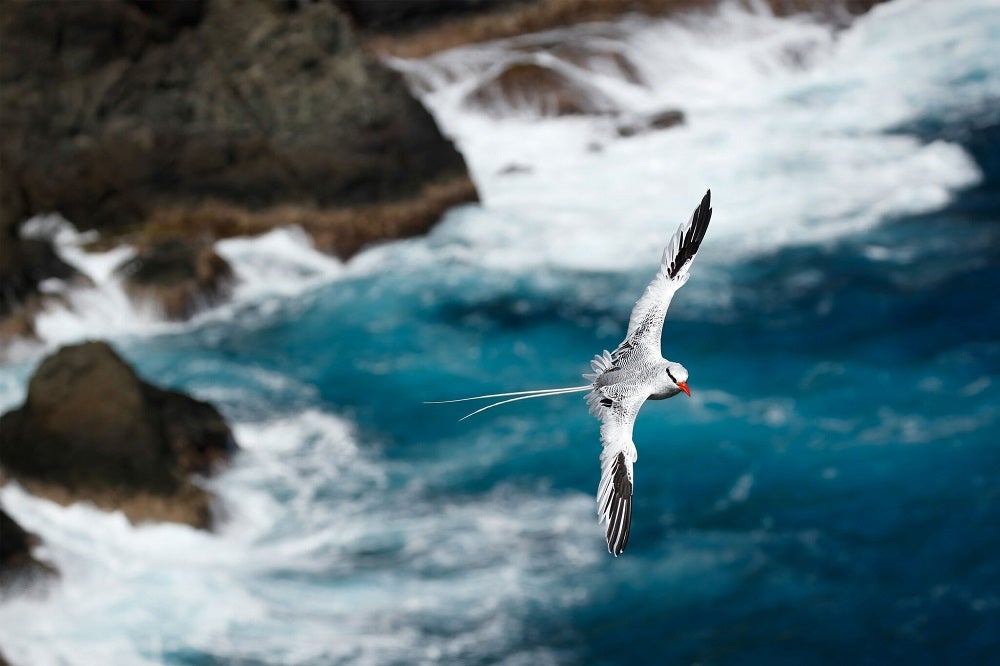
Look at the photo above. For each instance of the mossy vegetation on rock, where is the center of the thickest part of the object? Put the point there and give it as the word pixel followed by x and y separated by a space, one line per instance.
pixel 92 429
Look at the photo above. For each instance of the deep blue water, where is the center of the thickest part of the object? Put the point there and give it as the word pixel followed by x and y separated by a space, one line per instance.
pixel 830 494
pixel 857 398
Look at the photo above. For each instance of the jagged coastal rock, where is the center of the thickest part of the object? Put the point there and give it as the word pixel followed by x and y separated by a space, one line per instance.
pixel 111 112
pixel 178 277
pixel 92 429
pixel 24 265
pixel 181 118
pixel 211 118
pixel 19 569
pixel 537 90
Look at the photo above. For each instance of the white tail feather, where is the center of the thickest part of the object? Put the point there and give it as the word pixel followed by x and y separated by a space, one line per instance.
pixel 523 395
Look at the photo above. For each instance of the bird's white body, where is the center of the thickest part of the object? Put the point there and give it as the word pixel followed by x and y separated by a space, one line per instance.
pixel 634 372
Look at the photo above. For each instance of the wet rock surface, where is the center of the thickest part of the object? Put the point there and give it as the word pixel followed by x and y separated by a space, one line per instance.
pixel 537 90
pixel 24 265
pixel 178 277
pixel 114 111
pixel 650 123
pixel 92 429
pixel 19 569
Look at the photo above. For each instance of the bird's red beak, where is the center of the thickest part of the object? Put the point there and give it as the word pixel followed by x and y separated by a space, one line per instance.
pixel 684 387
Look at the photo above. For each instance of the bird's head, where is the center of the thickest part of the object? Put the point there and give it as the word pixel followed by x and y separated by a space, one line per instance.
pixel 677 375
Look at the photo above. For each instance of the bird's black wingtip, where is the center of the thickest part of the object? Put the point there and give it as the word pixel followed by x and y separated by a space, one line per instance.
pixel 704 211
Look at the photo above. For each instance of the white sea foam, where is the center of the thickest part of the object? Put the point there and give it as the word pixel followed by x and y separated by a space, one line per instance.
pixel 315 561
pixel 100 308
pixel 279 264
pixel 791 124
pixel 330 551
pixel 765 98
pixel 282 261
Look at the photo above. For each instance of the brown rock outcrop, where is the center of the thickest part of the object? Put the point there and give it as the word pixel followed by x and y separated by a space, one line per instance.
pixel 528 87
pixel 113 111
pixel 91 429
pixel 110 112
pixel 178 277
pixel 24 264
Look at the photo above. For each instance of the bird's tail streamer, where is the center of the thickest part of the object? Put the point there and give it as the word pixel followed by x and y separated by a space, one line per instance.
pixel 521 395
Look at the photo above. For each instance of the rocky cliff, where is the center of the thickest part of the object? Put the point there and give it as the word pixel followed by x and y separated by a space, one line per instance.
pixel 112 110
pixel 204 118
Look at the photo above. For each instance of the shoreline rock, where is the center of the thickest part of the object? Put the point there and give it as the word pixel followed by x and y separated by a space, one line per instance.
pixel 178 276
pixel 256 103
pixel 19 569
pixel 113 112
pixel 342 232
pixel 538 90
pixel 91 429
pixel 25 263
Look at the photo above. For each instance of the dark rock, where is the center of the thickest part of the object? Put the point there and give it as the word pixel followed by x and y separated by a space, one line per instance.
pixel 18 567
pixel 174 14
pixel 539 90
pixel 406 15
pixel 112 110
pixel 24 263
pixel 656 121
pixel 179 276
pixel 91 429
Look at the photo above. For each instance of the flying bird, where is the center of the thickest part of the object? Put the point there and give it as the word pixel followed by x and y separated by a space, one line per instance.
pixel 626 378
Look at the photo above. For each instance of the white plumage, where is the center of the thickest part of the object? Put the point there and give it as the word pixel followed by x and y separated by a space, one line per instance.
pixel 634 372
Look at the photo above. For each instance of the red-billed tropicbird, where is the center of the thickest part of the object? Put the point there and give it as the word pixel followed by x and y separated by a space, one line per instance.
pixel 633 373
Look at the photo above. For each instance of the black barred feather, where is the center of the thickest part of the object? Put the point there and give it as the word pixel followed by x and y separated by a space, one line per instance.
pixel 624 379
pixel 620 503
pixel 691 240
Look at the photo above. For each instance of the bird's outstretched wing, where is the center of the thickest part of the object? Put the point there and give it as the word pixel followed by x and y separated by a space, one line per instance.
pixel 645 325
pixel 614 493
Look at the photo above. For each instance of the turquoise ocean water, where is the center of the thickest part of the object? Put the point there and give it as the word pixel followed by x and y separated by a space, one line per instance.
pixel 829 494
